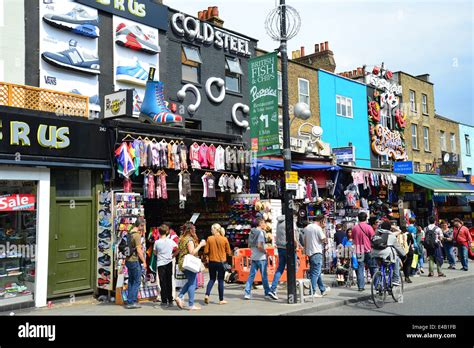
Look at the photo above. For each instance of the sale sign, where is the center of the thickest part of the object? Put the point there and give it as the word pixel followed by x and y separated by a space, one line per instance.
pixel 17 202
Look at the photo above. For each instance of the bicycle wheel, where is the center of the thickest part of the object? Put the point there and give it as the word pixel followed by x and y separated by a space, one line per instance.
pixel 397 291
pixel 378 290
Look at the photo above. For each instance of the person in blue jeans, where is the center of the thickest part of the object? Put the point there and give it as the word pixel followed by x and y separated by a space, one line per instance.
pixel 259 258
pixel 188 244
pixel 448 244
pixel 314 240
pixel 282 255
pixel 133 265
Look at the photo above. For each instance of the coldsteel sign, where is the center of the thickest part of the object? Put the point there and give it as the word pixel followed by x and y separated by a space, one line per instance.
pixel 195 30
pixel 17 202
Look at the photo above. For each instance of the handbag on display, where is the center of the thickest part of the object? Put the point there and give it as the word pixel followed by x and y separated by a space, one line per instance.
pixel 192 263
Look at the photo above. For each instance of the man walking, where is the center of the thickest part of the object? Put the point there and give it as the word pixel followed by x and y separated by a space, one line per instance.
pixel 314 238
pixel 133 265
pixel 463 239
pixel 282 256
pixel 362 234
pixel 433 245
pixel 259 258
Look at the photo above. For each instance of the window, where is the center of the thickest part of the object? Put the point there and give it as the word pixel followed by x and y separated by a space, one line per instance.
pixel 469 171
pixel 428 167
pixel 414 136
pixel 426 138
pixel 424 102
pixel 303 91
pixel 191 63
pixel 280 89
pixel 412 101
pixel 452 140
pixel 193 124
pixel 233 72
pixel 468 144
pixel 386 119
pixel 73 183
pixel 416 167
pixel 442 139
pixel 343 106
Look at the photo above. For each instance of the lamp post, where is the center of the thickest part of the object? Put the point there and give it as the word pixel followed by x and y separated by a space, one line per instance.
pixel 282 24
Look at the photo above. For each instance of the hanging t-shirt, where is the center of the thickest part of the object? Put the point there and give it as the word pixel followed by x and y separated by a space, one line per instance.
pixel 209 186
pixel 184 186
pixel 239 184
pixel 194 156
pixel 219 162
pixel 211 156
pixel 203 156
pixel 231 184
pixel 301 191
pixel 223 182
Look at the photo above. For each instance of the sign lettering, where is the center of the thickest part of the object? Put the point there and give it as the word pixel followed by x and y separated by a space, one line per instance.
pixel 388 143
pixel 17 202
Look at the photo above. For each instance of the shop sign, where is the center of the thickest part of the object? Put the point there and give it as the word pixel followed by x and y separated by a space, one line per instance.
pixel 17 202
pixel 382 83
pixel 195 30
pixel 291 177
pixel 405 167
pixel 450 164
pixel 142 11
pixel 388 143
pixel 263 86
pixel 344 154
pixel 118 104
pixel 407 187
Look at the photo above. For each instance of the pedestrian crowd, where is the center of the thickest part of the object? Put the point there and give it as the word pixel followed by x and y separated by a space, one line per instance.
pixel 407 248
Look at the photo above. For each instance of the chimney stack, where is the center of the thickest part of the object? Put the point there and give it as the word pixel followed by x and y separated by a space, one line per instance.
pixel 316 48
pixel 302 51
pixel 211 15
pixel 322 58
pixel 326 46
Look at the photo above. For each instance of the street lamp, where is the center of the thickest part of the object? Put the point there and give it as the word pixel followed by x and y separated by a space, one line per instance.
pixel 283 24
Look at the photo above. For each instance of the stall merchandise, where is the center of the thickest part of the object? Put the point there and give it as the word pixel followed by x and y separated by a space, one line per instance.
pixel 105 240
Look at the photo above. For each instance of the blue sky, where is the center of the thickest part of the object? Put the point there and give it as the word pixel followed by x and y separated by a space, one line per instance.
pixel 415 36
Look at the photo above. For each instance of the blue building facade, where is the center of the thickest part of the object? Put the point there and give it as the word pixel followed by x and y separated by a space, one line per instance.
pixel 466 135
pixel 343 112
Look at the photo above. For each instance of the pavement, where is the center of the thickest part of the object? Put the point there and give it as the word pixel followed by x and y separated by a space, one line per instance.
pixel 237 305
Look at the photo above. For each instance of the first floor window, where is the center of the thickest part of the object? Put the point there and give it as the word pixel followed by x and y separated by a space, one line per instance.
pixel 303 91
pixel 468 144
pixel 343 106
pixel 426 138
pixel 414 136
pixel 416 166
pixel 190 63
pixel 233 73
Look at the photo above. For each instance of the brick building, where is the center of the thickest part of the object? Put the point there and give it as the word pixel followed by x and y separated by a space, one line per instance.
pixel 447 139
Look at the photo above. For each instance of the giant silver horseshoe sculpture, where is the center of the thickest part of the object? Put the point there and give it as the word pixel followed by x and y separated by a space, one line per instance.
pixel 245 110
pixel 192 108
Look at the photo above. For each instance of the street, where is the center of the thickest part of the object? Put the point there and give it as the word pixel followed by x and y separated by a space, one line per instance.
pixel 456 298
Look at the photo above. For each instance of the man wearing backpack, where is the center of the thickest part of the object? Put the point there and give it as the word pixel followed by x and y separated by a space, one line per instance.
pixel 463 239
pixel 362 234
pixel 135 252
pixel 386 246
pixel 433 245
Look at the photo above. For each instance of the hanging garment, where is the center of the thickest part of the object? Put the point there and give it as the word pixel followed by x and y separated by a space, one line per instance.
pixel 314 189
pixel 184 186
pixel 223 182
pixel 151 186
pixel 145 186
pixel 228 155
pixel 364 203
pixel 261 186
pixel 175 156
pixel 271 189
pixel 155 150
pixel 308 190
pixel 183 156
pixel 149 154
pixel 194 156
pixel 170 156
pixel 209 186
pixel 239 185
pixel 164 187
pixel 231 184
pixel 351 195
pixel 163 146
pixel 136 146
pixel 211 156
pixel 125 156
pixel 127 185
pixel 142 153
pixel 233 159
pixel 203 155
pixel 241 159
pixel 158 187
pixel 301 191
pixel 219 160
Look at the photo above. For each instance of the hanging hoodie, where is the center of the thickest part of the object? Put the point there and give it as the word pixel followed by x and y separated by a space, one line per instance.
pixel 223 182
pixel 203 156
pixel 228 155
pixel 238 185
pixel 211 156
pixel 194 156
pixel 219 162
pixel 231 184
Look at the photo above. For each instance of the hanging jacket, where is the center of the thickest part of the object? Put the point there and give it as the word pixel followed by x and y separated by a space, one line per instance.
pixel 223 182
pixel 238 185
pixel 219 159
pixel 203 156
pixel 211 156
pixel 228 155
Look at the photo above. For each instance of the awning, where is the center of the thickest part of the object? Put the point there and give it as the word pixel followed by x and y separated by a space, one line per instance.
pixel 438 185
pixel 470 187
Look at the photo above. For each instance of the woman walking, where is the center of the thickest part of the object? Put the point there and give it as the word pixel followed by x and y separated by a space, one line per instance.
pixel 448 244
pixel 188 244
pixel 217 248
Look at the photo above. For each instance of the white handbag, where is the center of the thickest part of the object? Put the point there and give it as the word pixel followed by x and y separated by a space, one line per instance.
pixel 192 263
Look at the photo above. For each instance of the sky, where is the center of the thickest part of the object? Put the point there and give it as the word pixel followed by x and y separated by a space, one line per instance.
pixel 414 36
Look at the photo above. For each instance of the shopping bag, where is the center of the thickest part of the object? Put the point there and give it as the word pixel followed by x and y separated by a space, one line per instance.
pixel 192 263
pixel 414 263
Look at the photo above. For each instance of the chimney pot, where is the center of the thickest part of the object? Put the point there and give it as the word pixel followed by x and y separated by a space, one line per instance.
pixel 326 45
pixel 204 15
pixel 200 15
pixel 215 11
pixel 316 48
pixel 302 51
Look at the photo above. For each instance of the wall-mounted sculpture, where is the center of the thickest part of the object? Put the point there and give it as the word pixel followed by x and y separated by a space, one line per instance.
pixel 192 108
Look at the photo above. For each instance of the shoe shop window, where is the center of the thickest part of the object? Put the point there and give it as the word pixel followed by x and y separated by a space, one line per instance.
pixel 73 183
pixel 233 72
pixel 17 241
pixel 191 63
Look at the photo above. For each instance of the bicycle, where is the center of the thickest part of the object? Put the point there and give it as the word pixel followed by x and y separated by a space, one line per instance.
pixel 382 284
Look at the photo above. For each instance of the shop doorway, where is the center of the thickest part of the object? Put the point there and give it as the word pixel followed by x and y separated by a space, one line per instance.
pixel 72 233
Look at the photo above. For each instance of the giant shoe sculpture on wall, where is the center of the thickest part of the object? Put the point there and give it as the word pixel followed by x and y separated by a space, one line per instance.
pixel 154 108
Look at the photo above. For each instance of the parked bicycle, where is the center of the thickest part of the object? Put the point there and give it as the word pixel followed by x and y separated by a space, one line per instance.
pixel 382 284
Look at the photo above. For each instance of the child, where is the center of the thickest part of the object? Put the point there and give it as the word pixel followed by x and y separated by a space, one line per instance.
pixel 165 250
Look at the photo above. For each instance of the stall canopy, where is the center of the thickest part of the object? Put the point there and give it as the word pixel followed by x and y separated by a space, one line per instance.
pixel 467 186
pixel 279 165
pixel 438 185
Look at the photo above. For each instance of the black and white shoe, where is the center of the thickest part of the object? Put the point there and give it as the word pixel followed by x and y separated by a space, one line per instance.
pixel 273 296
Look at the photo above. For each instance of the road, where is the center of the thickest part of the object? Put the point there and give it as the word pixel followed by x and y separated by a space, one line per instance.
pixel 456 298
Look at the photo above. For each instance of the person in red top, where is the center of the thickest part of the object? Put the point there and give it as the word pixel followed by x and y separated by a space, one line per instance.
pixel 463 238
pixel 362 234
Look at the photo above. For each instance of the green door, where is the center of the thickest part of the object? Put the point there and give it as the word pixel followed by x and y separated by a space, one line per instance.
pixel 72 248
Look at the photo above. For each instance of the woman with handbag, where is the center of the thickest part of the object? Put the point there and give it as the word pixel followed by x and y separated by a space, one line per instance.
pixel 188 250
pixel 217 248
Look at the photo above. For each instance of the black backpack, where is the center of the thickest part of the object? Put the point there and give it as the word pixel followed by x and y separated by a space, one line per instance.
pixel 430 239
pixel 380 241
pixel 125 246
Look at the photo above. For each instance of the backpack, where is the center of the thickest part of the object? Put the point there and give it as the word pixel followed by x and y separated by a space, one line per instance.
pixel 379 241
pixel 430 239
pixel 125 246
